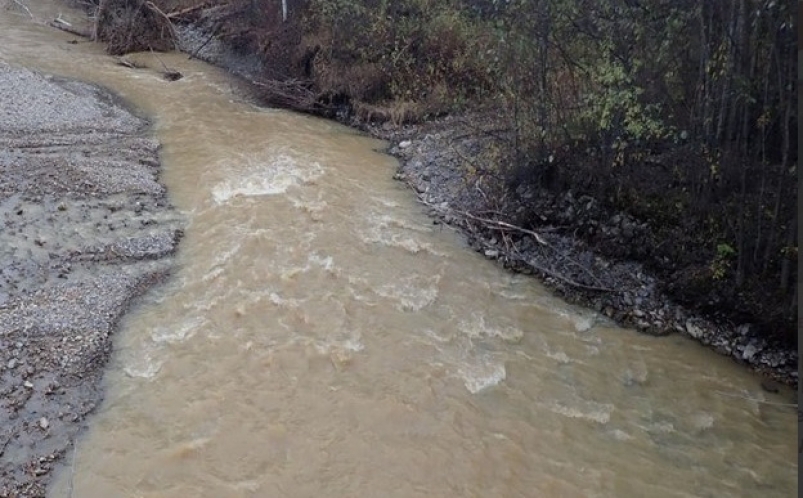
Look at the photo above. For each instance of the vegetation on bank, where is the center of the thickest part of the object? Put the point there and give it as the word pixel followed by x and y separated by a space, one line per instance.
pixel 679 113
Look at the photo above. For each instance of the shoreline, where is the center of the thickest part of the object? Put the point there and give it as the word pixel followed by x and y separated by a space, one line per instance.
pixel 87 230
pixel 623 291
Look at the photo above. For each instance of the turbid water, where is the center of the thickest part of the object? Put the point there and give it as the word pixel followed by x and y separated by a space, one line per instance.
pixel 322 338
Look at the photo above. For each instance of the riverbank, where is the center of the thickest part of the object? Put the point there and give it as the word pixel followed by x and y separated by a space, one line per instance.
pixel 438 160
pixel 435 161
pixel 87 228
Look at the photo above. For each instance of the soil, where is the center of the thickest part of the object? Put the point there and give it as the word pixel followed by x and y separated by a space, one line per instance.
pixel 86 229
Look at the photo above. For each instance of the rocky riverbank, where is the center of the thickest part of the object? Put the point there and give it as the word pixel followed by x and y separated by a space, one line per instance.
pixel 86 229
pixel 436 162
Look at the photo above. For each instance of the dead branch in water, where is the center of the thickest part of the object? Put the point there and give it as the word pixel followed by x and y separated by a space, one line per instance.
pixel 122 61
pixel 63 25
pixel 169 74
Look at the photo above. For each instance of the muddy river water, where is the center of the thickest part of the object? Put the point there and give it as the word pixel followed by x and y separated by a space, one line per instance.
pixel 321 337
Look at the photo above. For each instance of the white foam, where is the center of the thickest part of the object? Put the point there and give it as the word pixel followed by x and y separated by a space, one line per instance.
pixel 311 207
pixel 394 232
pixel 410 294
pixel 559 356
pixel 476 328
pixel 283 302
pixel 584 323
pixel 259 177
pixel 352 344
pixel 178 334
pixel 142 365
pixel 702 421
pixel 327 263
pixel 621 435
pixel 481 375
pixel 595 412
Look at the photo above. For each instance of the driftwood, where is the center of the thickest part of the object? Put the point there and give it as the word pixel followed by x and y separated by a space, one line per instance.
pixel 122 61
pixel 63 25
pixel 168 74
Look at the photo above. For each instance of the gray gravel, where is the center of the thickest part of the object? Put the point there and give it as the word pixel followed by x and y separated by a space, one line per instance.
pixel 86 229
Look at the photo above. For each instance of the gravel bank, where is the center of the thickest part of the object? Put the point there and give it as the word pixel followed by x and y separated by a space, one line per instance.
pixel 86 228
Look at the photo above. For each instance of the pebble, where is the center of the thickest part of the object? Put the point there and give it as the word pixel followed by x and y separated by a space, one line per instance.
pixel 492 254
pixel 43 423
pixel 749 352
pixel 28 384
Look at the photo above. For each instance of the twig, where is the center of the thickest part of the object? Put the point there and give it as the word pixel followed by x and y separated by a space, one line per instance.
pixel 24 7
pixel 501 225
pixel 156 9
pixel 195 52
pixel 169 74
pixel 63 25
pixel 72 468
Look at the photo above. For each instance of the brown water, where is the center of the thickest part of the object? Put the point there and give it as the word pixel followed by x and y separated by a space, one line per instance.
pixel 322 338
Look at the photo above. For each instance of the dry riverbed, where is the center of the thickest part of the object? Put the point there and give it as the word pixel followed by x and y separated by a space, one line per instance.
pixel 86 229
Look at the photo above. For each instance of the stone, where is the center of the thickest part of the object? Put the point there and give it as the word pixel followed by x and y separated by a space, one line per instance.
pixel 693 330
pixel 43 423
pixel 492 254
pixel 749 352
pixel 405 144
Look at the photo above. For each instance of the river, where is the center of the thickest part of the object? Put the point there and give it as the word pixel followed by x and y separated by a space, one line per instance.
pixel 321 337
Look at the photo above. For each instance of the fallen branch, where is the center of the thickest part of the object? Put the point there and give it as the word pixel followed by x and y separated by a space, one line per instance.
pixel 569 281
pixel 63 25
pixel 495 223
pixel 169 74
pixel 157 10
pixel 122 61
pixel 501 225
